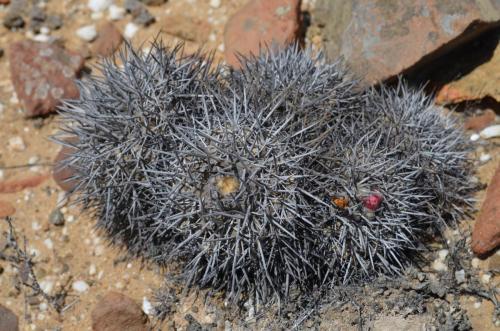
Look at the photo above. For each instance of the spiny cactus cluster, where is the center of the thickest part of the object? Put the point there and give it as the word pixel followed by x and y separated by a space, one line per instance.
pixel 284 175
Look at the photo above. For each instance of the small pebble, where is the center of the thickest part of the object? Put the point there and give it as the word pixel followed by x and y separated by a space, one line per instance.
pixel 147 307
pixel 215 3
pixel 56 217
pixel 44 30
pixel 443 254
pixel 484 158
pixel 438 265
pixel 96 16
pixel 92 270
pixel 490 132
pixel 475 262
pixel 43 306
pixel 2 174
pixel 14 99
pixel 47 285
pixel 16 144
pixel 474 137
pixel 486 278
pixel 80 286
pixel 477 305
pixel 70 218
pixel 460 276
pixel 99 5
pixel 36 226
pixel 116 13
pixel 120 285
pixel 130 30
pixel 48 243
pixel 99 250
pixel 87 33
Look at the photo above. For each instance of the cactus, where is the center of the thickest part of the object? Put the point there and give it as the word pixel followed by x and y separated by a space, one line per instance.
pixel 283 175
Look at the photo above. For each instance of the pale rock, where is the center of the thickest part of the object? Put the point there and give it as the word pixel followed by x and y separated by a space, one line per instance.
pixel 474 137
pixel 80 286
pixel 92 270
pixel 460 276
pixel 116 13
pixel 16 144
pixel 485 279
pixel 87 33
pixel 48 243
pixel 130 30
pixel 484 158
pixel 490 132
pixel 147 307
pixel 439 265
pixel 99 5
pixel 443 254
pixel 215 3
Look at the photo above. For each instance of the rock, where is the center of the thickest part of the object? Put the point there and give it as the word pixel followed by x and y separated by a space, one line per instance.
pixel 490 132
pixel 108 40
pixel 17 185
pixel 62 173
pixel 43 75
pixel 56 217
pixel 144 18
pixel 16 144
pixel 380 39
pixel 477 123
pixel 486 233
pixel 37 18
pixel 481 82
pixel 261 23
pixel 8 320
pixel 80 286
pixel 87 33
pixel 215 3
pixel 14 17
pixel 139 12
pixel 6 209
pixel 186 27
pixel 116 312
pixel 54 22
pixel 132 6
pixel 130 30
pixel 460 276
pixel 99 5
pixel 116 13
pixel 4 2
pixel 13 20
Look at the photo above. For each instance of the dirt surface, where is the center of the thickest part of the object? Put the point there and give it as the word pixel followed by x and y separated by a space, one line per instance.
pixel 74 251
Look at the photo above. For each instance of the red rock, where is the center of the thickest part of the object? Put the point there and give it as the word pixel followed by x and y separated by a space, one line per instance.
pixel 4 2
pixel 450 94
pixel 261 23
pixel 108 40
pixel 186 27
pixel 43 75
pixel 8 320
pixel 61 173
pixel 380 39
pixel 6 209
pixel 16 185
pixel 486 234
pixel 477 123
pixel 117 312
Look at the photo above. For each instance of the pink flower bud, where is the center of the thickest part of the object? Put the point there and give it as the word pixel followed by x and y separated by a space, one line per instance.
pixel 373 201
